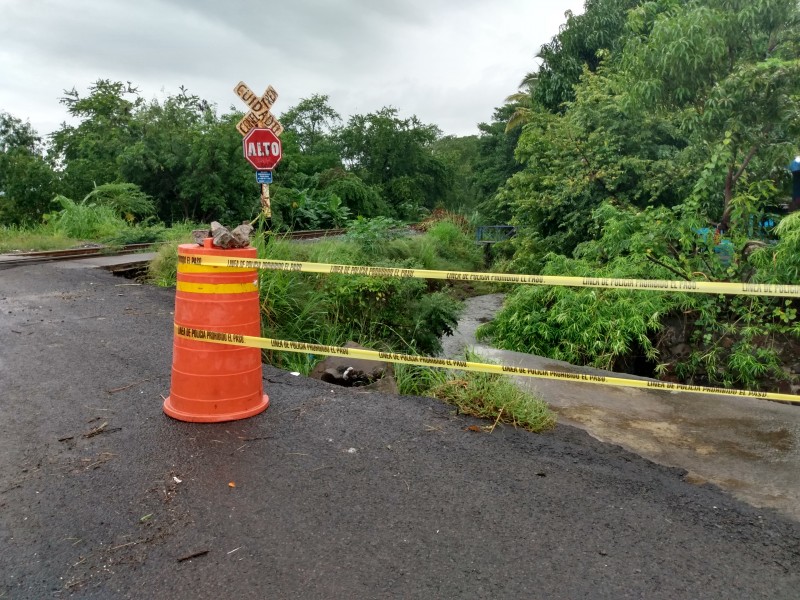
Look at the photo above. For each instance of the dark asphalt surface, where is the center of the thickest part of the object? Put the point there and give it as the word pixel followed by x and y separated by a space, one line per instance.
pixel 337 494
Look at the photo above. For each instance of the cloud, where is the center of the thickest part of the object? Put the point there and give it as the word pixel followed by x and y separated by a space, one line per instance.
pixel 448 62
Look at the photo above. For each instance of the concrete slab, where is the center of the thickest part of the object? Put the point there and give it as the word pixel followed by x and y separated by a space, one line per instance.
pixel 109 262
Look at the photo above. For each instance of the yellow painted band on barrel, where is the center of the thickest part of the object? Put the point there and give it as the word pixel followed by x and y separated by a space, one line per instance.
pixel 186 268
pixel 216 288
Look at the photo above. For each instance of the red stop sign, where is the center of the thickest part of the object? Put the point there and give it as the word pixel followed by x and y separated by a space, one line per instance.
pixel 262 149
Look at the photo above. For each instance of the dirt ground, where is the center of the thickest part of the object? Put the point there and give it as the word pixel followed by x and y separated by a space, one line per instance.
pixel 336 494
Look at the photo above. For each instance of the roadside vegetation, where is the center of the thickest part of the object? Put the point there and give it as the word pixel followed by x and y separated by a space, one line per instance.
pixel 406 315
pixel 653 142
pixel 392 314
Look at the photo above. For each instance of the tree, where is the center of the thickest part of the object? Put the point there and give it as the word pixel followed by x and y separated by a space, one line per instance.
pixel 314 122
pixel 732 68
pixel 217 182
pixel 496 164
pixel 396 155
pixel 687 120
pixel 159 158
pixel 577 46
pixel 460 155
pixel 27 182
pixel 90 151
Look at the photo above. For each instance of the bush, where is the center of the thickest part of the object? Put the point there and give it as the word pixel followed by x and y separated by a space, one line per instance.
pixel 86 221
pixel 596 327
pixel 733 340
pixel 391 313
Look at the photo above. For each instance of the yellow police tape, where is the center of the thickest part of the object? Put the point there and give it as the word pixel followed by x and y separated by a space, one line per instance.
pixel 659 285
pixel 235 339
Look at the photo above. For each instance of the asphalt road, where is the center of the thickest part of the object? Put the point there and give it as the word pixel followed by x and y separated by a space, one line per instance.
pixel 338 494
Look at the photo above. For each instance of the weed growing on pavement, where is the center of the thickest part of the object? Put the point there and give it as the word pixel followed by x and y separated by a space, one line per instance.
pixel 483 395
pixel 163 269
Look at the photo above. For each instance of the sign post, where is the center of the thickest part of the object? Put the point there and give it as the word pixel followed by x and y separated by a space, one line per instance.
pixel 261 144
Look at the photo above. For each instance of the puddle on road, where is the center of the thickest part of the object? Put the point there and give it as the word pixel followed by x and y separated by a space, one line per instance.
pixel 745 440
pixel 653 438
pixel 780 440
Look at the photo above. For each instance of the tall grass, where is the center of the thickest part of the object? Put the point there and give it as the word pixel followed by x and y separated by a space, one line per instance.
pixel 86 222
pixel 28 239
pixel 76 225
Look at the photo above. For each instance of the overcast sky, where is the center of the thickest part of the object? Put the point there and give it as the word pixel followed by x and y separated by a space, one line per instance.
pixel 450 62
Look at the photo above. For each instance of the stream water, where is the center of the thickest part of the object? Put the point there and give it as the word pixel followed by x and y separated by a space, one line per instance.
pixel 478 310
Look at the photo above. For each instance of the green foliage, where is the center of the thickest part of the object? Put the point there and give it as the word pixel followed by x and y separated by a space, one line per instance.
pixel 595 151
pixel 312 124
pixel 457 245
pixel 126 199
pixel 581 44
pixel 91 149
pixel 361 200
pixel 730 72
pixel 495 165
pixel 187 158
pixel 86 221
pixel 27 182
pixel 483 395
pixel 39 237
pixel 734 340
pixel 393 313
pixel 460 155
pixel 163 269
pixel 307 207
pixel 396 155
pixel 599 327
pixel 780 263
pixel 371 234
pixel 659 154
pixel 105 214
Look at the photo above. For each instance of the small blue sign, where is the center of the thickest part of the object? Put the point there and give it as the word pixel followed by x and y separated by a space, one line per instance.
pixel 264 176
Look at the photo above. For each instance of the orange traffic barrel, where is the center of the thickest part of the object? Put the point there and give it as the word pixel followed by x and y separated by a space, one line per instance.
pixel 215 382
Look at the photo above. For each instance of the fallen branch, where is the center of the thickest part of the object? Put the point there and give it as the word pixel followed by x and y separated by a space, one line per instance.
pixel 193 555
pixel 101 429
pixel 125 387
pixel 666 266
pixel 499 414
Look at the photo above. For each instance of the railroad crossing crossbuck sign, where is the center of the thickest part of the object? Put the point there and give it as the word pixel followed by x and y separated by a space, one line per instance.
pixel 259 115
pixel 260 129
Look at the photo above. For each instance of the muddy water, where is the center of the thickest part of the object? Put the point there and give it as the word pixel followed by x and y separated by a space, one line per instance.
pixel 746 446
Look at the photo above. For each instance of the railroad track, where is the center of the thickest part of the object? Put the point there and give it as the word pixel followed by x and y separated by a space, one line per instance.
pixel 20 258
pixel 312 234
pixel 27 258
